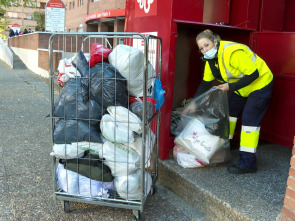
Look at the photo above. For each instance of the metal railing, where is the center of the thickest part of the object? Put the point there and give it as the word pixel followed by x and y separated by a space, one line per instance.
pixel 5 53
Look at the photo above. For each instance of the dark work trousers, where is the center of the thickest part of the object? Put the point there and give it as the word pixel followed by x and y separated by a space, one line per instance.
pixel 252 110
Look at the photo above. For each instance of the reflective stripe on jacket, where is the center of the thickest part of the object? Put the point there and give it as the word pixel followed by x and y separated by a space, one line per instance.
pixel 231 74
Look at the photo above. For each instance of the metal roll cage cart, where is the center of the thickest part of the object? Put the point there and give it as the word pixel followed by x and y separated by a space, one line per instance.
pixel 62 47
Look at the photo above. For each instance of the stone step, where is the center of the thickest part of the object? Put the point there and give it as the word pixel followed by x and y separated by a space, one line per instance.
pixel 223 196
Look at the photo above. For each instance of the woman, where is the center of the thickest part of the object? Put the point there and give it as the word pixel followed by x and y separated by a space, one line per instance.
pixel 245 74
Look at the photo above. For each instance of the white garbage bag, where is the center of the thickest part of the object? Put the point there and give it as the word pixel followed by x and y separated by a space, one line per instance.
pixel 114 131
pixel 121 159
pixel 76 184
pixel 125 117
pixel 129 187
pixel 67 151
pixel 130 63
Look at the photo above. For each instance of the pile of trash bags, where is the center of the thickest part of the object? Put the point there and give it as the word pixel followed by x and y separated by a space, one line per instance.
pixel 202 136
pixel 98 116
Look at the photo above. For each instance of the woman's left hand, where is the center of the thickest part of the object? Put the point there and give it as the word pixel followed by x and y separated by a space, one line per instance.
pixel 222 87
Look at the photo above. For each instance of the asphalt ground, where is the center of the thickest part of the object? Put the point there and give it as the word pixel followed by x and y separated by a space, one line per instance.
pixel 26 184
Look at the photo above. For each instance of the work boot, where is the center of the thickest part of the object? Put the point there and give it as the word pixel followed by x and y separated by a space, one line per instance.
pixel 238 169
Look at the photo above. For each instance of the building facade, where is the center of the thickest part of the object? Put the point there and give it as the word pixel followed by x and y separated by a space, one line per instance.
pixel 23 16
pixel 95 15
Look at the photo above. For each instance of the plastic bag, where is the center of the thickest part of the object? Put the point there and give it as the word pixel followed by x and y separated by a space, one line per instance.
pixel 66 71
pixel 98 53
pixel 130 63
pixel 120 158
pixel 76 184
pixel 204 133
pixel 67 151
pixel 107 86
pixel 129 187
pixel 136 106
pixel 69 131
pixel 114 131
pixel 71 105
pixel 185 159
pixel 126 118
pixel 158 94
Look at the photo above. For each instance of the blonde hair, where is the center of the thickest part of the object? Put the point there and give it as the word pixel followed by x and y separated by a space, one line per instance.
pixel 209 35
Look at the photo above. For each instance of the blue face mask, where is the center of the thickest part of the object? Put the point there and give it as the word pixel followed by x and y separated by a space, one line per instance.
pixel 210 54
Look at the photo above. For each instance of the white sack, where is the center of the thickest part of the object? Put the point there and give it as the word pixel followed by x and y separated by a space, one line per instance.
pixel 129 187
pixel 130 63
pixel 149 145
pixel 121 159
pixel 76 184
pixel 67 151
pixel 114 131
pixel 125 117
pixel 198 141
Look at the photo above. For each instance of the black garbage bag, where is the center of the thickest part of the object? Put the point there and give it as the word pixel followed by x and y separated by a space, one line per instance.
pixel 71 105
pixel 69 131
pixel 80 62
pixel 108 87
pixel 212 110
pixel 102 83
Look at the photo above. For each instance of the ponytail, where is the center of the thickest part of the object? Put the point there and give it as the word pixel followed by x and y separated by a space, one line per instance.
pixel 209 35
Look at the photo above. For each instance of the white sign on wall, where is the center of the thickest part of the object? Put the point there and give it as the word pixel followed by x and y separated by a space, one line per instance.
pixel 152 50
pixel 55 16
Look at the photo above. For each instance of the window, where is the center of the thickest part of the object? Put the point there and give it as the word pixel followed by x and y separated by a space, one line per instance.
pixel 32 4
pixel 81 3
pixel 42 5
pixel 94 0
pixel 72 5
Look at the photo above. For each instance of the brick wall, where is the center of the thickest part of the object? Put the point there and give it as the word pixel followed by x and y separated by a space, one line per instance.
pixel 76 16
pixel 288 210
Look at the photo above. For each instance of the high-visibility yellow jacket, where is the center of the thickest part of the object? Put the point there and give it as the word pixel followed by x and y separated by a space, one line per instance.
pixel 236 60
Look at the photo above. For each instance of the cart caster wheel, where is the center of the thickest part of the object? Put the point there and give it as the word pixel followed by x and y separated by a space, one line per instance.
pixel 67 206
pixel 139 216
pixel 153 190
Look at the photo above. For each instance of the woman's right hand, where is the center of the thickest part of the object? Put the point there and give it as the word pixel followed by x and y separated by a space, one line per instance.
pixel 189 109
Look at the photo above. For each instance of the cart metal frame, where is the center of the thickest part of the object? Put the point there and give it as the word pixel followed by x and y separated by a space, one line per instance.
pixel 61 44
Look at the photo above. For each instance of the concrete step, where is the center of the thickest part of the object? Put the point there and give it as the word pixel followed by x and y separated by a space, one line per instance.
pixel 223 196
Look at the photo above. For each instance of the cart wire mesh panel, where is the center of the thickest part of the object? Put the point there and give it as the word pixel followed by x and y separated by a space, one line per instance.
pixel 104 118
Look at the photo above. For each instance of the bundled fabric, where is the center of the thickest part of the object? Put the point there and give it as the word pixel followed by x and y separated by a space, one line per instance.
pixel 90 166
pixel 98 53
pixel 126 118
pixel 129 187
pixel 114 131
pixel 69 131
pixel 71 105
pixel 130 63
pixel 76 184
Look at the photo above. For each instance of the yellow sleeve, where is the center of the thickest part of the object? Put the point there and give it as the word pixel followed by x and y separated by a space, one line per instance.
pixel 239 60
pixel 208 76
